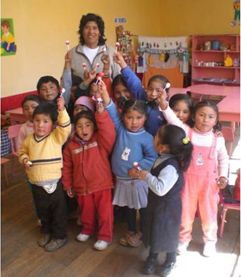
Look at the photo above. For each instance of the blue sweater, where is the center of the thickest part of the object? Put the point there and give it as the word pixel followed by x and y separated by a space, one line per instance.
pixel 155 118
pixel 130 147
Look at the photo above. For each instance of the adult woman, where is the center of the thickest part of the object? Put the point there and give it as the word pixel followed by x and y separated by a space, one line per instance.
pixel 88 54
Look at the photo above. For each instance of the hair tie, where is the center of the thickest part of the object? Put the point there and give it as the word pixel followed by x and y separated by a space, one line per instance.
pixel 185 140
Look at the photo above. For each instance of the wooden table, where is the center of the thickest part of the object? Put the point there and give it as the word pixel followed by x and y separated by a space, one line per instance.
pixel 229 106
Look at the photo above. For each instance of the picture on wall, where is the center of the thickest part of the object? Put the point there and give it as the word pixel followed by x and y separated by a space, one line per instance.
pixel 8 46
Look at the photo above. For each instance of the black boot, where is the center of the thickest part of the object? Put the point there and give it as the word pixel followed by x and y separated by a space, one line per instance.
pixel 166 269
pixel 150 265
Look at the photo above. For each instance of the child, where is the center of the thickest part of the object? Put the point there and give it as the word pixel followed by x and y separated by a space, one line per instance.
pixel 29 104
pixel 155 86
pixel 87 173
pixel 165 182
pixel 41 154
pixel 182 106
pixel 205 176
pixel 133 144
pixel 120 91
pixel 48 89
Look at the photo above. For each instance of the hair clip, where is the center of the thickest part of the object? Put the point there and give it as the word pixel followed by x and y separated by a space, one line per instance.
pixel 185 140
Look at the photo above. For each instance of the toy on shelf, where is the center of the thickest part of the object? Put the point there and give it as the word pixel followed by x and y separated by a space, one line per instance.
pixel 125 43
pixel 228 61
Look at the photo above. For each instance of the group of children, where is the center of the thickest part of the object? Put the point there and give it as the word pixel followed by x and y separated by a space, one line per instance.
pixel 128 147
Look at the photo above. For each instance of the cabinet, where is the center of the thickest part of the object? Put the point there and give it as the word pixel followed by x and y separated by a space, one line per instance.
pixel 208 55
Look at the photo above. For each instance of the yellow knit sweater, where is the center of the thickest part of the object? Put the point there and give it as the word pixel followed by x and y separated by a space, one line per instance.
pixel 46 153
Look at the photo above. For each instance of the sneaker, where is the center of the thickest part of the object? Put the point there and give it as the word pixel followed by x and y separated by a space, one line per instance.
pixel 150 266
pixel 44 240
pixel 182 247
pixel 101 245
pixel 166 269
pixel 209 249
pixel 82 237
pixel 55 244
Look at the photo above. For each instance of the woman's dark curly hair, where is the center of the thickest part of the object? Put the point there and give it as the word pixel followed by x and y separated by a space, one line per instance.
pixel 100 23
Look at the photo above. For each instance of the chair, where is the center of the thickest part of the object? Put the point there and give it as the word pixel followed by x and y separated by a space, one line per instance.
pixel 13 131
pixel 225 206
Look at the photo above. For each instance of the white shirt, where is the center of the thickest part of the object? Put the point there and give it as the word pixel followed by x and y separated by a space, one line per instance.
pixel 90 52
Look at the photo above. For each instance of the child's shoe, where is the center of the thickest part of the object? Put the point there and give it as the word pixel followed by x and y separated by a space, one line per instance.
pixel 124 239
pixel 101 245
pixel 209 249
pixel 82 237
pixel 135 239
pixel 166 269
pixel 44 240
pixel 55 244
pixel 150 266
pixel 182 247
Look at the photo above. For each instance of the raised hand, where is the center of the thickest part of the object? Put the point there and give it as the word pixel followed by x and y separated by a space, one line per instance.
pixel 119 59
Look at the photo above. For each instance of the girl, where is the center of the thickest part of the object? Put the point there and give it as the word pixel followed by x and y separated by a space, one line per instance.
pixel 165 181
pixel 205 176
pixel 120 91
pixel 156 85
pixel 133 144
pixel 182 106
pixel 29 104
pixel 87 173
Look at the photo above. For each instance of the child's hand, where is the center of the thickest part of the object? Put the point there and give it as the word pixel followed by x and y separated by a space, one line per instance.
pixel 119 59
pixel 27 163
pixel 222 182
pixel 70 193
pixel 163 104
pixel 60 103
pixel 67 59
pixel 105 60
pixel 103 92
pixel 137 174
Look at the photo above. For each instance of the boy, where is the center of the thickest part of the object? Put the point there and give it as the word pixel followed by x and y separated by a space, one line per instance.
pixel 41 154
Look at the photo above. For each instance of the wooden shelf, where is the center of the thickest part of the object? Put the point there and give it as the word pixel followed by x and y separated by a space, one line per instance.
pixel 206 73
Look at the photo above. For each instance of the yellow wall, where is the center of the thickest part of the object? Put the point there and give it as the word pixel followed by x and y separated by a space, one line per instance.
pixel 187 17
pixel 42 26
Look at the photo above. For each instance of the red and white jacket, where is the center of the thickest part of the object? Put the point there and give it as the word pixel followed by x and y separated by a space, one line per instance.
pixel 86 166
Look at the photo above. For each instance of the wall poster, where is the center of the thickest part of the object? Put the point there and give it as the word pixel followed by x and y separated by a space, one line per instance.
pixel 8 46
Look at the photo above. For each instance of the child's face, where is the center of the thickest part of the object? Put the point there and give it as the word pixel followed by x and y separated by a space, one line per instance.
pixel 182 111
pixel 28 109
pixel 79 108
pixel 154 90
pixel 159 147
pixel 42 125
pixel 134 120
pixel 84 128
pixel 48 91
pixel 205 119
pixel 94 90
pixel 121 91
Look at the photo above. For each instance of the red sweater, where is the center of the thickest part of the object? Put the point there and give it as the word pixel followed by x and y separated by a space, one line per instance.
pixel 86 166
